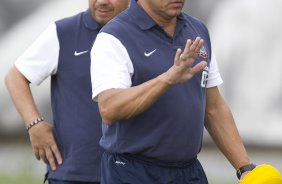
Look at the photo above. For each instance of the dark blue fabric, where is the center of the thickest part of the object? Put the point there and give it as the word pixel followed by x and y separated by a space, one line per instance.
pixel 123 169
pixel 171 129
pixel 69 182
pixel 77 123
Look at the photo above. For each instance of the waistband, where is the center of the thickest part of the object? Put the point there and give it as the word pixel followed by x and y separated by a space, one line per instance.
pixel 156 162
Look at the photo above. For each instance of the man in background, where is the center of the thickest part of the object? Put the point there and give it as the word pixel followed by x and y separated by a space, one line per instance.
pixel 69 147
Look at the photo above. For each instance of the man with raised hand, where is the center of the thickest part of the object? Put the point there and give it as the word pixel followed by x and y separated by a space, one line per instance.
pixel 156 80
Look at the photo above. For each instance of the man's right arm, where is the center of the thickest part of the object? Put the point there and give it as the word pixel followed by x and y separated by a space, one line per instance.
pixel 41 135
pixel 119 104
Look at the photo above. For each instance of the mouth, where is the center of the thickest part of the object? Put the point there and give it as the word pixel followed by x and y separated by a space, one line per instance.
pixel 177 4
pixel 103 11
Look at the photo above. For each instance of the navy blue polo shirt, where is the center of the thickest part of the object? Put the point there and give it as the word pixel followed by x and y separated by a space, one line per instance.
pixel 171 129
pixel 77 122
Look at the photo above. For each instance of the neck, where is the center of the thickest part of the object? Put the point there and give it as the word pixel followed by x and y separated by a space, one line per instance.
pixel 169 27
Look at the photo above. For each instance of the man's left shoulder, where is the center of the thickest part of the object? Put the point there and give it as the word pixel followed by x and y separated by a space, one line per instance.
pixel 118 24
pixel 192 19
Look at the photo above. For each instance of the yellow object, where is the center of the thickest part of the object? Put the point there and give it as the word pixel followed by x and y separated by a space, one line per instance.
pixel 263 174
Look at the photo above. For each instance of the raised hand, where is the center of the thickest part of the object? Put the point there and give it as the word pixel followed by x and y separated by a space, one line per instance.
pixel 183 69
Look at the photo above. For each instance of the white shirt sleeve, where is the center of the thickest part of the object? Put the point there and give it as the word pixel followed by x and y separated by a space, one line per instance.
pixel 214 77
pixel 40 60
pixel 106 74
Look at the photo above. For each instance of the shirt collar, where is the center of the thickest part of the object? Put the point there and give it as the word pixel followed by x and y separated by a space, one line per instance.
pixel 139 15
pixel 89 21
pixel 181 21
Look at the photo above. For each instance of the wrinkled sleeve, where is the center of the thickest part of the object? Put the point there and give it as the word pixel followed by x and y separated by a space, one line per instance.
pixel 214 77
pixel 40 60
pixel 111 66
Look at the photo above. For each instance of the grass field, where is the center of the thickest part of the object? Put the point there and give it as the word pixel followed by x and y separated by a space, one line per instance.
pixel 20 179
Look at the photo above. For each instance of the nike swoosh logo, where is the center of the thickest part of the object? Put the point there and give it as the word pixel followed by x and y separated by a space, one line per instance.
pixel 150 53
pixel 80 53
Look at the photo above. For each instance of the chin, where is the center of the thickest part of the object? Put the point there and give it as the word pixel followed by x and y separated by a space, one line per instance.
pixel 102 21
pixel 173 11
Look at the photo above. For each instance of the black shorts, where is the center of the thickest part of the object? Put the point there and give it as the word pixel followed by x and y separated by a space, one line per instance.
pixel 130 169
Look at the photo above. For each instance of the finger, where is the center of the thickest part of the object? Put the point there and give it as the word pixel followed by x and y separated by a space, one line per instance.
pixel 36 153
pixel 50 159
pixel 198 67
pixel 57 154
pixel 177 57
pixel 199 46
pixel 43 156
pixel 195 47
pixel 185 53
